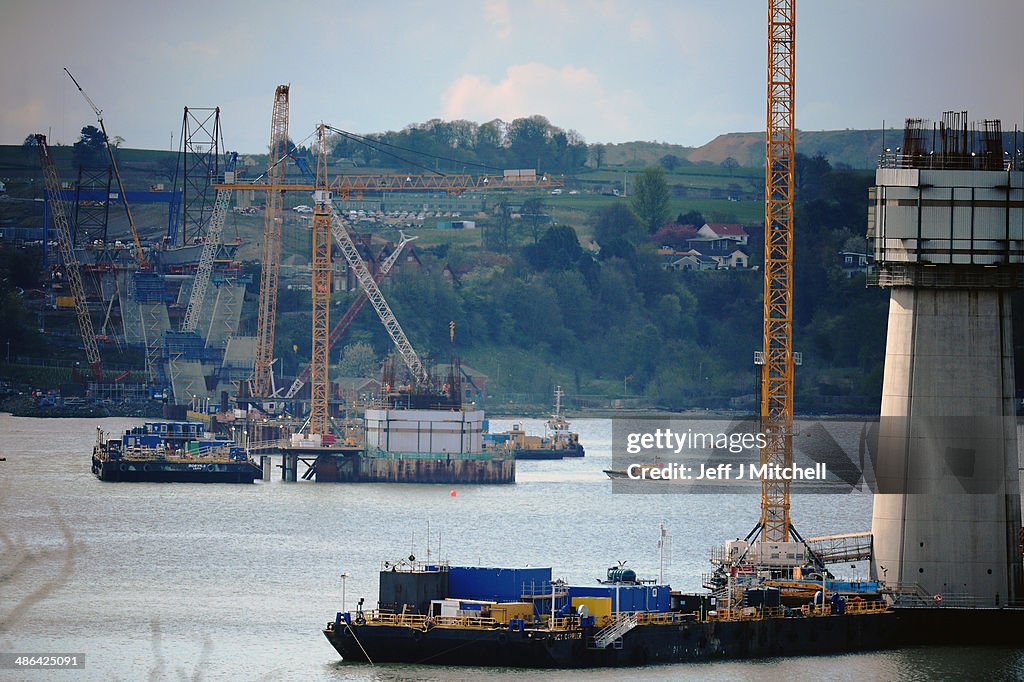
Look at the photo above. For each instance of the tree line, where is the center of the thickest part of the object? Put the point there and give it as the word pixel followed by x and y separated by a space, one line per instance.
pixel 464 146
pixel 617 322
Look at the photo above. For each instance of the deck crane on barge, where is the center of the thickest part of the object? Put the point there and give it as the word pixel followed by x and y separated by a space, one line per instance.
pixel 774 545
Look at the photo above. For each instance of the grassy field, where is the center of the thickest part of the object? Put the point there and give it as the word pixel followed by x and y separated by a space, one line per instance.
pixel 719 194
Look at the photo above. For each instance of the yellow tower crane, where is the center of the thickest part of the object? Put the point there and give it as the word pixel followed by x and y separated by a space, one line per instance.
pixel 318 416
pixel 271 253
pixel 777 357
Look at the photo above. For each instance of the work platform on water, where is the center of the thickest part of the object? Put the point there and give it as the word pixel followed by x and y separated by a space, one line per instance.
pixel 396 446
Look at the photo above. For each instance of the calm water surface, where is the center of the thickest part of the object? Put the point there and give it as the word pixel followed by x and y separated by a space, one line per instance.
pixel 156 581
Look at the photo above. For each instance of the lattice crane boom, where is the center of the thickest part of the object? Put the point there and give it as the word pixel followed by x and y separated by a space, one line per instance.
pixel 777 357
pixel 204 269
pixel 67 249
pixel 321 295
pixel 339 228
pixel 342 324
pixel 271 251
pixel 140 257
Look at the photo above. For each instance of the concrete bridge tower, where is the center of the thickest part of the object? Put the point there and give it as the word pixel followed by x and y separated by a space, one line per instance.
pixel 947 227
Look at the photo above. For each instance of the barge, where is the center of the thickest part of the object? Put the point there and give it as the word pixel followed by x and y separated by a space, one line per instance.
pixel 171 452
pixel 519 617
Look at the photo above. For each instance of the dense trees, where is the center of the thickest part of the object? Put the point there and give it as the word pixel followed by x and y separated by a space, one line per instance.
pixel 614 320
pixel 651 198
pixel 531 142
pixel 91 148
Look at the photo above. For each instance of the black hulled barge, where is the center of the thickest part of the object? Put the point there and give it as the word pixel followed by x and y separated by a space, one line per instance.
pixel 171 452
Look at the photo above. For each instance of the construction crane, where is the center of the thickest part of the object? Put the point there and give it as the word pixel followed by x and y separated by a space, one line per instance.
pixel 271 253
pixel 342 324
pixel 67 249
pixel 201 283
pixel 318 416
pixel 777 357
pixel 339 228
pixel 140 257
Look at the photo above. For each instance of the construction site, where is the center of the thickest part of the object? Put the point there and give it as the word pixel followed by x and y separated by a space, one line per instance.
pixel 176 299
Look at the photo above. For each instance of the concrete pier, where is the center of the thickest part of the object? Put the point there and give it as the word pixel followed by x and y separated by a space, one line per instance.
pixel 948 505
pixel 948 232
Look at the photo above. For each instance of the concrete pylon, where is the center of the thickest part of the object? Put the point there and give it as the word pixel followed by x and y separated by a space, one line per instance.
pixel 948 233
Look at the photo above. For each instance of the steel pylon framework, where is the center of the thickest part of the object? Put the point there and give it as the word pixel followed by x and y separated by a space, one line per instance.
pixel 321 259
pixel 271 252
pixel 72 270
pixel 91 217
pixel 199 153
pixel 777 356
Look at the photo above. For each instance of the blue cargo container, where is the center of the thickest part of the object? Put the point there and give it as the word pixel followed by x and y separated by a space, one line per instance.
pixel 630 597
pixel 496 584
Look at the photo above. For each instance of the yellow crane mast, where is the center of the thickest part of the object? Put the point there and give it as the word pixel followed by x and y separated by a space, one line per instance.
pixel 271 253
pixel 777 358
pixel 321 290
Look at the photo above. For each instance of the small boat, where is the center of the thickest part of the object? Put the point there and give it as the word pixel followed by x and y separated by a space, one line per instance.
pixel 172 452
pixel 557 442
pixel 638 474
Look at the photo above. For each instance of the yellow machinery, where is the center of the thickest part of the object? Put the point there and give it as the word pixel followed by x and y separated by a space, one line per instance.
pixel 321 291
pixel 777 358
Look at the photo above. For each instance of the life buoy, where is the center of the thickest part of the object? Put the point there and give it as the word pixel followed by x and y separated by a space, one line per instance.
pixel 937 599
pixel 429 622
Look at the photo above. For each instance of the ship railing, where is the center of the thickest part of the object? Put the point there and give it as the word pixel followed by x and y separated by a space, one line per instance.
pixel 412 620
pixel 658 618
pixel 747 613
pixel 406 566
pixel 421 622
pixel 141 454
pixel 852 607
pixel 567 623
pixel 913 595
pixel 464 622
pixel 272 444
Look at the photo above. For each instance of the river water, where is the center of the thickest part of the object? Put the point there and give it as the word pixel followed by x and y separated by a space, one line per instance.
pixel 156 581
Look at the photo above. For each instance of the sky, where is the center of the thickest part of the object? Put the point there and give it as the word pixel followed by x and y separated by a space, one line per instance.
pixel 675 71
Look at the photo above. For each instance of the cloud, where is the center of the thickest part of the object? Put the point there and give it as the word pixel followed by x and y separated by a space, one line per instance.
pixel 641 31
pixel 497 15
pixel 560 94
pixel 29 117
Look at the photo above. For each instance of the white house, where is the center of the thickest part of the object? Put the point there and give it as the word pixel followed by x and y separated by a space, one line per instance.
pixel 731 231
